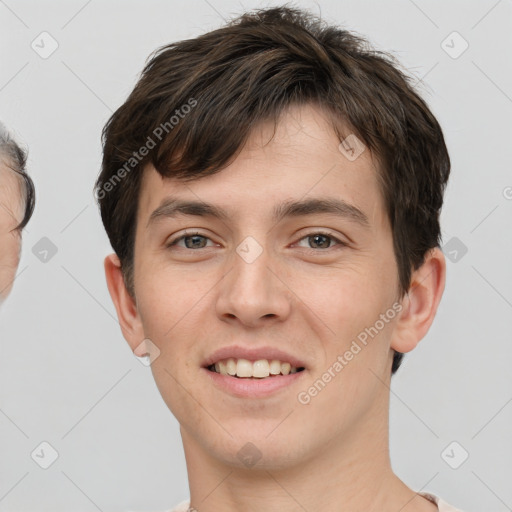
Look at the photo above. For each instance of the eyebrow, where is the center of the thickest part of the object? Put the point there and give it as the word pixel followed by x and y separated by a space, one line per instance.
pixel 171 207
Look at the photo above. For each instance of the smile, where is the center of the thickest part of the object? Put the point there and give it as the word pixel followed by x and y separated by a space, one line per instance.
pixel 244 381
pixel 260 369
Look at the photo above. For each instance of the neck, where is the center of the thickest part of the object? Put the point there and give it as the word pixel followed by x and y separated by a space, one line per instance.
pixel 351 473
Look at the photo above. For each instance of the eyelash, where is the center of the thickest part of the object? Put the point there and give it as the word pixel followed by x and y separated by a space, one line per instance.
pixel 322 233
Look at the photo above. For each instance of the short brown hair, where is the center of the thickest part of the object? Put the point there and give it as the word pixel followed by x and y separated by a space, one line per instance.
pixel 249 71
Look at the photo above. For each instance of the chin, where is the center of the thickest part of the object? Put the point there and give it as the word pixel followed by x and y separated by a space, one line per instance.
pixel 258 448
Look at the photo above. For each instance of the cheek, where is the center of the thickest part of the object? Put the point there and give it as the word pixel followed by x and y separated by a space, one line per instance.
pixel 348 302
pixel 349 296
pixel 169 301
pixel 9 259
pixel 351 305
pixel 10 244
pixel 172 310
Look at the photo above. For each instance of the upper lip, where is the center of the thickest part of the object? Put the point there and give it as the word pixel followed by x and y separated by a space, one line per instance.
pixel 252 354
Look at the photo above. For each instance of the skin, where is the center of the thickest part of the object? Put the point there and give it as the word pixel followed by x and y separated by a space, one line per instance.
pixel 11 213
pixel 309 299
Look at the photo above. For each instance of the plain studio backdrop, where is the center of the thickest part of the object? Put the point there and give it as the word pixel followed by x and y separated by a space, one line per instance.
pixel 67 376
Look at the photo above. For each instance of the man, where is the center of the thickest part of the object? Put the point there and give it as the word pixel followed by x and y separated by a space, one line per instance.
pixel 272 192
pixel 16 207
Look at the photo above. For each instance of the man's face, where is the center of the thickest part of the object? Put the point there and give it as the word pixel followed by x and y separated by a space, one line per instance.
pixel 11 212
pixel 306 284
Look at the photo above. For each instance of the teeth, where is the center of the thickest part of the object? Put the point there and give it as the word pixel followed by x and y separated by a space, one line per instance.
pixel 231 366
pixel 243 368
pixel 222 368
pixel 258 369
pixel 275 367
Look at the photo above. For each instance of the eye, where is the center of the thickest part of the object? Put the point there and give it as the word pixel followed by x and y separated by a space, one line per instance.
pixel 316 240
pixel 191 240
pixel 321 240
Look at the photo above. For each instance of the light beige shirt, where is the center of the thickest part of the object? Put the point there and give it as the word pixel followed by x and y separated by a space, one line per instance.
pixel 441 505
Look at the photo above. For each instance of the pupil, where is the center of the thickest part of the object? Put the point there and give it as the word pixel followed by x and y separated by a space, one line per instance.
pixel 316 237
pixel 195 239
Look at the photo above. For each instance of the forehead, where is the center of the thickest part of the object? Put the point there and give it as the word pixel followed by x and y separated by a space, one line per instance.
pixel 299 157
pixel 11 194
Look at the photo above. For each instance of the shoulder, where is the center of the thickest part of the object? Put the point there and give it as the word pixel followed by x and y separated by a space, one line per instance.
pixel 441 505
pixel 181 507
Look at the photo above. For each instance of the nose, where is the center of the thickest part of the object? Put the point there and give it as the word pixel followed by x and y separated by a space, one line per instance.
pixel 252 291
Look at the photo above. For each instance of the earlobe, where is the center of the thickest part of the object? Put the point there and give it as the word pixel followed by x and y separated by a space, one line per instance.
pixel 420 304
pixel 127 313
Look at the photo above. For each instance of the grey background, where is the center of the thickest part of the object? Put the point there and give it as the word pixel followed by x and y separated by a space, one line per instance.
pixel 67 376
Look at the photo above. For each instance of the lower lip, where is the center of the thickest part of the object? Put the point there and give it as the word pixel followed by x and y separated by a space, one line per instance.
pixel 252 387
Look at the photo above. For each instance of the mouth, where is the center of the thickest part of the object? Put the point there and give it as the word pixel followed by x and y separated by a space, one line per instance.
pixel 259 369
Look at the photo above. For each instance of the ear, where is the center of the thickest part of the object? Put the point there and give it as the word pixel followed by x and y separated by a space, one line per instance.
pixel 126 307
pixel 419 305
